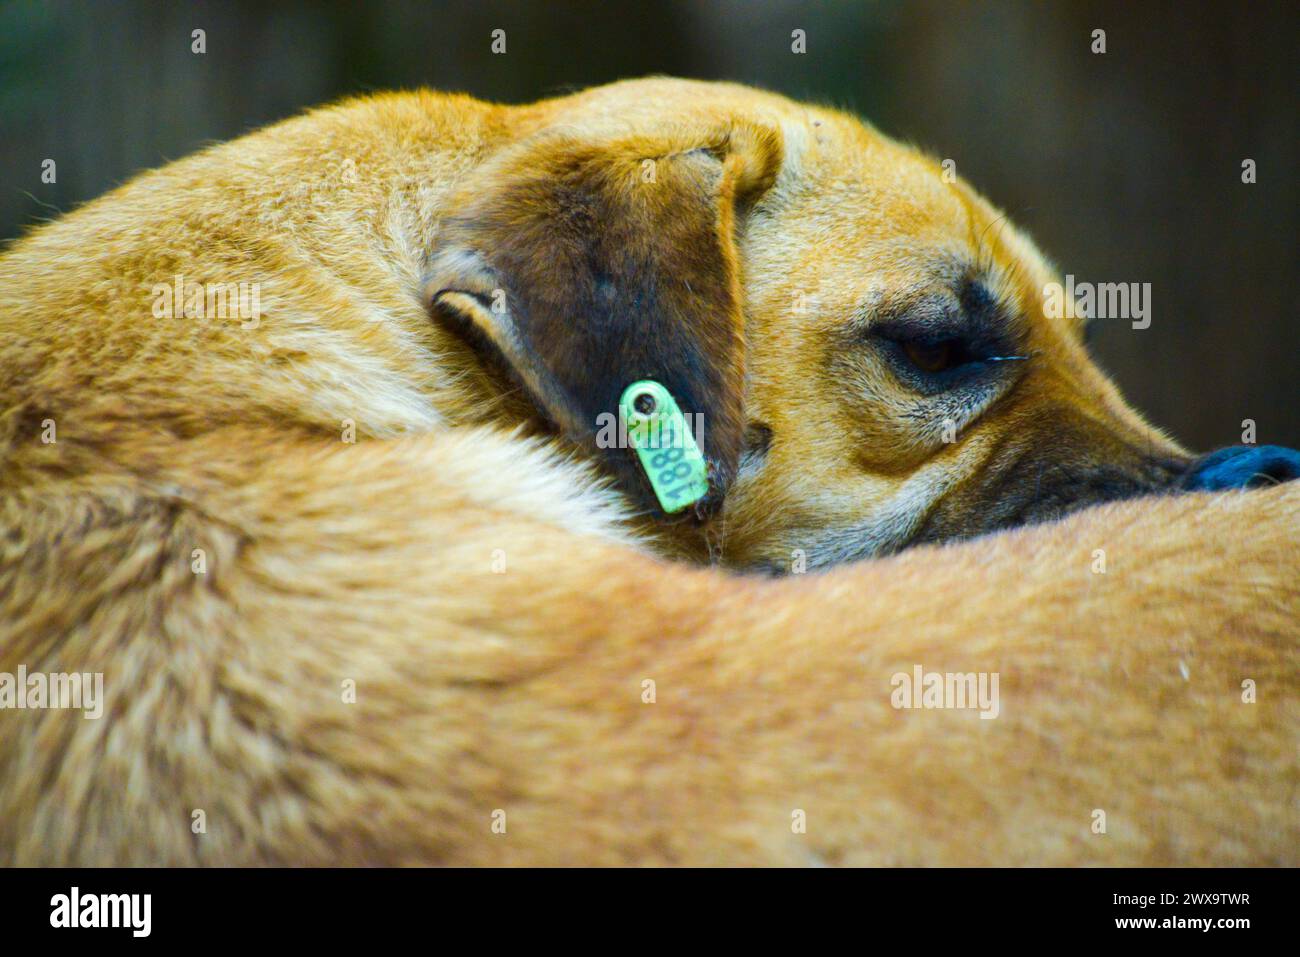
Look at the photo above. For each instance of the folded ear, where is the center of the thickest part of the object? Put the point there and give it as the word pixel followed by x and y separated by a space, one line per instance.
pixel 590 263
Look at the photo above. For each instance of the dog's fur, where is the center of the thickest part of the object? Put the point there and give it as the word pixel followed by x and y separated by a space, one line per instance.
pixel 465 287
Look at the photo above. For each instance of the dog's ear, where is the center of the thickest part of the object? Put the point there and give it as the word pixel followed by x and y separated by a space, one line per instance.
pixel 588 263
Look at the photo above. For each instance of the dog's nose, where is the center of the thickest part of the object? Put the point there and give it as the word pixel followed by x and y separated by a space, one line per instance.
pixel 1243 466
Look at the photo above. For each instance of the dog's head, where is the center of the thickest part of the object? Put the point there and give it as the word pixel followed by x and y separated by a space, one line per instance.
pixel 864 337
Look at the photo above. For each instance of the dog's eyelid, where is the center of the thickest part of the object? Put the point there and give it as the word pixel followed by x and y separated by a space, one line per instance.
pixel 927 318
pixel 980 339
pixel 966 313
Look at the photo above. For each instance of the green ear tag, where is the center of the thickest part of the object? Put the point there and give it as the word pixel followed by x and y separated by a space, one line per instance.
pixel 671 460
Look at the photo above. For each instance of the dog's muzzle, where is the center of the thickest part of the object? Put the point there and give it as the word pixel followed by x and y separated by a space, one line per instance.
pixel 1242 466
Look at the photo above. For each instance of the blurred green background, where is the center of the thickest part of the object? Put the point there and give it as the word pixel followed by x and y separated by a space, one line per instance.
pixel 1126 167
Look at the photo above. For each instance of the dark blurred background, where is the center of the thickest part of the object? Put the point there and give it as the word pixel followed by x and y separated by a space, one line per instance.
pixel 1125 166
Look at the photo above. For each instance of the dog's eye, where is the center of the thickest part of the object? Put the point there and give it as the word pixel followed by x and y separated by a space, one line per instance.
pixel 934 362
pixel 933 357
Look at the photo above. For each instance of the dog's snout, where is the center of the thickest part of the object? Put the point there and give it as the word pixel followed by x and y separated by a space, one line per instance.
pixel 1243 466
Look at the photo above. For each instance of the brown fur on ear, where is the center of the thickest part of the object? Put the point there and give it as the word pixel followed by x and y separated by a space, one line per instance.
pixel 590 263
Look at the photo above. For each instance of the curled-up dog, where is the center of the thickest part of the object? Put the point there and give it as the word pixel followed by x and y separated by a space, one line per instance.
pixel 366 585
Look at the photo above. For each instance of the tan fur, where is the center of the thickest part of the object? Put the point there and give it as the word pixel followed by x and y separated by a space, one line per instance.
pixel 481 689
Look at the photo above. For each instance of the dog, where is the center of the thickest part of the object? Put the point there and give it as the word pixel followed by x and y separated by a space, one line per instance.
pixel 299 451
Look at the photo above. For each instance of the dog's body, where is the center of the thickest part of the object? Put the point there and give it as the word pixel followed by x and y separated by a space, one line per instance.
pixel 350 610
